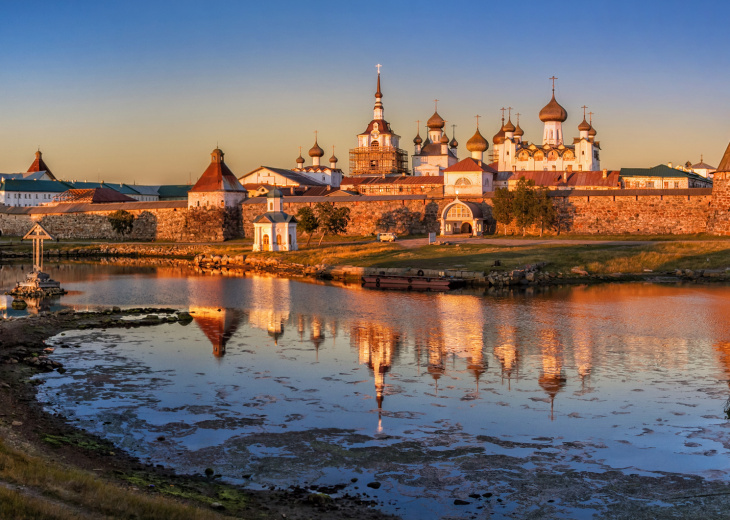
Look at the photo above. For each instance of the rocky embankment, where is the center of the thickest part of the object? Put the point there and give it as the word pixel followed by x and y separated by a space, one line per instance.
pixel 116 250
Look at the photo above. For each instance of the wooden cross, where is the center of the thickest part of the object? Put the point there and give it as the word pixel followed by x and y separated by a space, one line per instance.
pixel 418 126
pixel 584 111
pixel 453 131
pixel 510 112
pixel 477 116
pixel 553 80
pixel 503 109
pixel 378 67
pixel 590 114
pixel 518 117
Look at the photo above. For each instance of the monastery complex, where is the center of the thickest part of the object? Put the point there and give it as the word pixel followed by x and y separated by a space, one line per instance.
pixel 440 189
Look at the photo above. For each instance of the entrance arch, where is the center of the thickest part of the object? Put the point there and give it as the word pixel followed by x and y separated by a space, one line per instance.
pixel 466 228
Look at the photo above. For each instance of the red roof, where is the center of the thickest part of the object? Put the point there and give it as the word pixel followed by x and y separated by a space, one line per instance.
pixel 470 165
pixel 217 177
pixel 93 196
pixel 574 179
pixel 40 166
pixel 410 179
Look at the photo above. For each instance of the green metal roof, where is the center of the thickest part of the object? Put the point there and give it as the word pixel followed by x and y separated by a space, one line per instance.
pixel 661 170
pixel 172 191
pixel 33 186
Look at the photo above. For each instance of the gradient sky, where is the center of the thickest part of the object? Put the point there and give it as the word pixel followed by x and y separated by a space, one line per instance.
pixel 142 91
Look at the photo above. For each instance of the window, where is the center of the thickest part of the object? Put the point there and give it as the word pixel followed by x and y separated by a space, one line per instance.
pixel 649 184
pixel 278 240
pixel 676 184
pixel 666 184
pixel 458 211
pixel 463 181
pixel 266 240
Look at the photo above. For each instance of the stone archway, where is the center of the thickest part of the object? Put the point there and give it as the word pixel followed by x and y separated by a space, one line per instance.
pixel 466 228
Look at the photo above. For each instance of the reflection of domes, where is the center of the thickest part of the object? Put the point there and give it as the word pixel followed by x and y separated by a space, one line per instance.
pixel 552 384
pixel 553 112
pixel 436 121
pixel 477 143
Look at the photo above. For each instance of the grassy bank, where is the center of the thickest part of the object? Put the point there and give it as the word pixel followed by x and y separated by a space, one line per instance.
pixel 598 259
pixel 37 488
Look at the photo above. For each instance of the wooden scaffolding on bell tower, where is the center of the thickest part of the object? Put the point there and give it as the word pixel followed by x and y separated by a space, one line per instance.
pixel 378 160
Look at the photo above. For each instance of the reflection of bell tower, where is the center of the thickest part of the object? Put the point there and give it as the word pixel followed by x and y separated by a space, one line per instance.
pixel 436 363
pixel 218 325
pixel 376 345
pixel 317 336
pixel 551 380
pixel 723 352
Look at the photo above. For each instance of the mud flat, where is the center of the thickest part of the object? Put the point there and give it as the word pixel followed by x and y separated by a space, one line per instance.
pixel 27 430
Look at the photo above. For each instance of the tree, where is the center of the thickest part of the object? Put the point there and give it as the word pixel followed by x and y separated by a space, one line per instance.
pixel 121 222
pixel 523 204
pixel 332 220
pixel 502 207
pixel 545 213
pixel 307 221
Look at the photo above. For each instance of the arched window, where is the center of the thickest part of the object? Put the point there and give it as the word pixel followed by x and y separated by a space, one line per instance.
pixel 539 156
pixel 266 240
pixel 553 156
pixel 568 156
pixel 523 156
pixel 278 240
pixel 458 211
pixel 374 144
pixel 463 181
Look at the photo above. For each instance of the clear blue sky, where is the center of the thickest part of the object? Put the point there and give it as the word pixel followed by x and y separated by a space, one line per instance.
pixel 142 91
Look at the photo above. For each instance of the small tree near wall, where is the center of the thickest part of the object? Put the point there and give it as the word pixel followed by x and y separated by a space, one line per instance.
pixel 332 220
pixel 122 222
pixel 502 207
pixel 307 221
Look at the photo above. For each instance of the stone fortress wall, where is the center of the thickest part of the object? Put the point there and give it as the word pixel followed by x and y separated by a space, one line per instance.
pixel 581 212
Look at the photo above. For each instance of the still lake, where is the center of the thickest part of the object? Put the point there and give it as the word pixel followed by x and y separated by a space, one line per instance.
pixel 437 397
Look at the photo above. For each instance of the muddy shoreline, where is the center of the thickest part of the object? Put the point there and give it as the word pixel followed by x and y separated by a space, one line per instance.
pixel 26 426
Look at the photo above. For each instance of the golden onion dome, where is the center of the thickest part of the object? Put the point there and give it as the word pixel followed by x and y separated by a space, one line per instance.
pixel 444 139
pixel 519 132
pixel 417 139
pixel 454 143
pixel 508 126
pixel 584 126
pixel 436 121
pixel 477 143
pixel 499 137
pixel 333 159
pixel 592 132
pixel 553 112
pixel 316 151
pixel 300 159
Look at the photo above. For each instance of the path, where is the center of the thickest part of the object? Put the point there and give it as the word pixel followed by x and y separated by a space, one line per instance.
pixel 412 243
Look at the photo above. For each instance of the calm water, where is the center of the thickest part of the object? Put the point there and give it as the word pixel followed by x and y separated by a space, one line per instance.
pixel 292 383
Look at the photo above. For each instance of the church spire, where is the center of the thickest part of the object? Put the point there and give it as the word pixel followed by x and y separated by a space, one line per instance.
pixel 378 109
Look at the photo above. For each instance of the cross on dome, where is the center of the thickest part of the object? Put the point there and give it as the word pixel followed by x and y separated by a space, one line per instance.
pixel 553 78
pixel 378 67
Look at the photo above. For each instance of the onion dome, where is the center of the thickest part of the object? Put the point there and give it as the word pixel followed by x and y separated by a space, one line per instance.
pixel 454 143
pixel 274 194
pixel 519 132
pixel 499 137
pixel 300 159
pixel 436 121
pixel 592 132
pixel 553 112
pixel 333 159
pixel 584 126
pixel 417 139
pixel 508 127
pixel 477 143
pixel 316 151
pixel 444 139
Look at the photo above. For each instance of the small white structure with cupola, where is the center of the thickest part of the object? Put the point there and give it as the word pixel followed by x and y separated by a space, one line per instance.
pixel 275 230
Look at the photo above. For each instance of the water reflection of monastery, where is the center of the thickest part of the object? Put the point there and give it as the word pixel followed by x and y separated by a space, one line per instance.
pixel 218 325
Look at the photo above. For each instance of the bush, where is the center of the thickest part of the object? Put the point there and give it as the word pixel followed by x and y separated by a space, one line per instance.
pixel 121 222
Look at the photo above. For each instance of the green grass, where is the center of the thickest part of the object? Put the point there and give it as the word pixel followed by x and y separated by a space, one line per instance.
pixel 598 258
pixel 52 491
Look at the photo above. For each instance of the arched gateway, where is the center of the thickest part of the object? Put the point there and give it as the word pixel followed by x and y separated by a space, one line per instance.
pixel 462 217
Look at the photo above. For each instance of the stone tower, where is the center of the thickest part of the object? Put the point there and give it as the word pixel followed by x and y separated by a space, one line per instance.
pixel 720 220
